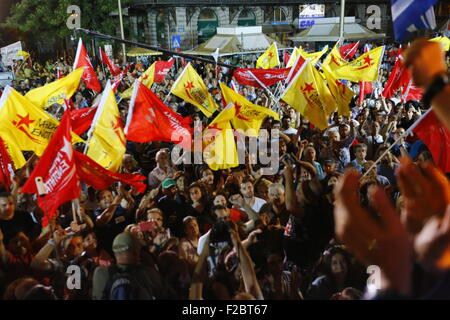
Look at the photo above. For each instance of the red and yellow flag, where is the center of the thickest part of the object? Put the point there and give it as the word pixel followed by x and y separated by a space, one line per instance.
pixel 270 58
pixel 25 126
pixel 106 145
pixel 191 88
pixel 219 146
pixel 248 116
pixel 314 56
pixel 341 93
pixel 364 68
pixel 333 60
pixel 310 96
pixel 56 91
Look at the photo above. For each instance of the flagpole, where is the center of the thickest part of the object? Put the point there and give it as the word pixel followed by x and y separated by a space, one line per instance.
pixel 410 129
pixel 274 99
pixel 341 20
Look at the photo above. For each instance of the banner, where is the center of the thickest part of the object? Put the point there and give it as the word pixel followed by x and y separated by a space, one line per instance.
pixel 267 76
pixel 9 53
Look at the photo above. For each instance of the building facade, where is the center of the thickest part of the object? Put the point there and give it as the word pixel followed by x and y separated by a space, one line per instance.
pixel 190 22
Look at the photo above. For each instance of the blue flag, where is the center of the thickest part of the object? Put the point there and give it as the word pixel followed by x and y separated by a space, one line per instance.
pixel 411 15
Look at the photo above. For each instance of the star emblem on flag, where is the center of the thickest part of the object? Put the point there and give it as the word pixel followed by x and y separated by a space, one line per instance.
pixel 189 85
pixel 308 87
pixel 24 120
pixel 117 126
pixel 238 112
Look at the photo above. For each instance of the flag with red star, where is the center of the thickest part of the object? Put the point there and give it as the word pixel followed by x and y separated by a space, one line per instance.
pixel 248 116
pixel 333 60
pixel 190 87
pixel 24 126
pixel 270 58
pixel 364 68
pixel 106 144
pixel 309 95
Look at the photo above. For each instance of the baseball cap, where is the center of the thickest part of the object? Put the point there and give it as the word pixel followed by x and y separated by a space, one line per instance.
pixel 123 242
pixel 168 183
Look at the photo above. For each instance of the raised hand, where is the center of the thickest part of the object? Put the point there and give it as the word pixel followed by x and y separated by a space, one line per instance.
pixel 425 190
pixel 383 243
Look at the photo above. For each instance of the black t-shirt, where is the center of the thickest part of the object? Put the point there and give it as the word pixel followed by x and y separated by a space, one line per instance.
pixel 176 207
pixel 313 231
pixel 22 221
pixel 116 225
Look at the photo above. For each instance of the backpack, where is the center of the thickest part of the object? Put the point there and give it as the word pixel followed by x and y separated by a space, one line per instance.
pixel 122 285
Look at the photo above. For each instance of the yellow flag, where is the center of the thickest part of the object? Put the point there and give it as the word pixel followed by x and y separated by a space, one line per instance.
pixel 248 116
pixel 364 68
pixel 191 88
pixel 16 154
pixel 342 94
pixel 270 58
pixel 293 57
pixel 219 147
pixel 314 56
pixel 147 78
pixel 24 54
pixel 308 94
pixel 56 91
pixel 444 41
pixel 106 145
pixel 333 59
pixel 24 125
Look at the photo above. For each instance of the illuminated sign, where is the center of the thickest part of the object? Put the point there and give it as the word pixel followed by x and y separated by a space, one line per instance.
pixel 307 14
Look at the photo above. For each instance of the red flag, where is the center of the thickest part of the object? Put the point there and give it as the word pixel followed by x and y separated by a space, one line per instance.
pixel 149 119
pixel 286 57
pixel 6 166
pixel 82 119
pixel 411 92
pixel 268 77
pixel 437 138
pixel 68 104
pixel 298 64
pixel 161 70
pixel 118 79
pixel 89 76
pixel 58 73
pixel 364 88
pixel 113 68
pixel 93 174
pixel 396 78
pixel 58 171
pixel 349 50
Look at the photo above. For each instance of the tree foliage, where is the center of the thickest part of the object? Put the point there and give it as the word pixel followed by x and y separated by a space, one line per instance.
pixel 44 19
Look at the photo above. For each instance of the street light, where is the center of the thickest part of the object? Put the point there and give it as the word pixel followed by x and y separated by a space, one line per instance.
pixel 121 31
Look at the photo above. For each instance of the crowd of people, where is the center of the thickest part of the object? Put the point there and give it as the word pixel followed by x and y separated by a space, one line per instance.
pixel 237 234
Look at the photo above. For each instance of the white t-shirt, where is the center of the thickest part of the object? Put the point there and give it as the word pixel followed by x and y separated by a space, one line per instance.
pixel 258 204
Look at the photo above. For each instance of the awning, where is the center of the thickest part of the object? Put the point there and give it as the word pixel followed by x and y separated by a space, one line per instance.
pixel 139 52
pixel 329 32
pixel 231 41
